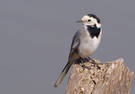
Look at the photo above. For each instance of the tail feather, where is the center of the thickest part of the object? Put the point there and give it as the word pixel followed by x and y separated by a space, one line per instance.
pixel 63 73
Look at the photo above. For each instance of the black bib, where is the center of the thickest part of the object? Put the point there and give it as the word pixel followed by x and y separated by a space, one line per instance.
pixel 94 31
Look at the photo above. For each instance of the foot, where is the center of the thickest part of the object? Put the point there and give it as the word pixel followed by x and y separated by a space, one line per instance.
pixel 83 60
pixel 93 62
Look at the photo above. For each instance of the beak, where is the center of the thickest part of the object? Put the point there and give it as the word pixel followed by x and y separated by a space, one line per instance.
pixel 80 21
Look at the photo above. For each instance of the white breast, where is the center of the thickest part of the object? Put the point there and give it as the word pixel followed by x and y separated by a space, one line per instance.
pixel 88 45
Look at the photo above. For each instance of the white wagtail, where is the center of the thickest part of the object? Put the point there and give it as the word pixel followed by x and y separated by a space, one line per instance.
pixel 85 42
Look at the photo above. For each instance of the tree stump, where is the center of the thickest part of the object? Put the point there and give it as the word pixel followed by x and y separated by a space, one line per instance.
pixel 111 78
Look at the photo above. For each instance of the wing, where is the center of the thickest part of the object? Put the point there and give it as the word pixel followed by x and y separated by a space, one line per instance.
pixel 75 43
pixel 74 46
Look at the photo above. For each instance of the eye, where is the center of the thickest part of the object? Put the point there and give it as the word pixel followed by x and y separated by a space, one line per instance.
pixel 89 20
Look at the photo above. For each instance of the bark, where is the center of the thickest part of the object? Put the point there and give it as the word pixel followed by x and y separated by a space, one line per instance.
pixel 101 78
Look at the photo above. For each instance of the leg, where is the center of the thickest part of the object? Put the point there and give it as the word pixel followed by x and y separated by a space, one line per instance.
pixel 83 60
pixel 93 62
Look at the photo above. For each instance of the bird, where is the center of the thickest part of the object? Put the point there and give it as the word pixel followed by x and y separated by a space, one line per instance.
pixel 84 43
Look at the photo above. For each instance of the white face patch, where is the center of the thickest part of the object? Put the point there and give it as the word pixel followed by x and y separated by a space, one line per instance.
pixel 92 21
pixel 85 18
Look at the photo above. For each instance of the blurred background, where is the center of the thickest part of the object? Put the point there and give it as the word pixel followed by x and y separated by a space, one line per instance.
pixel 35 38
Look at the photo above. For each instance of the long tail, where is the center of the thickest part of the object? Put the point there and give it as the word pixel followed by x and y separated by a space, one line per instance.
pixel 63 73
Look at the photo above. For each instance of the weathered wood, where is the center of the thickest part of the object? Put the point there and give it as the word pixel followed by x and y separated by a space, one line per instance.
pixel 111 78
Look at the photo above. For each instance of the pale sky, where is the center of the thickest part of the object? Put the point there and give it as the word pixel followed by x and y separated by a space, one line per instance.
pixel 35 38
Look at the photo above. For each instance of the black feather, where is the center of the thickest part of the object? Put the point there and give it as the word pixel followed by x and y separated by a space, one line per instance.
pixel 93 30
pixel 94 16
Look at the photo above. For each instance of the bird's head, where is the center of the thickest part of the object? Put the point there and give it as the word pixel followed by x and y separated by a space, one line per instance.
pixel 90 20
